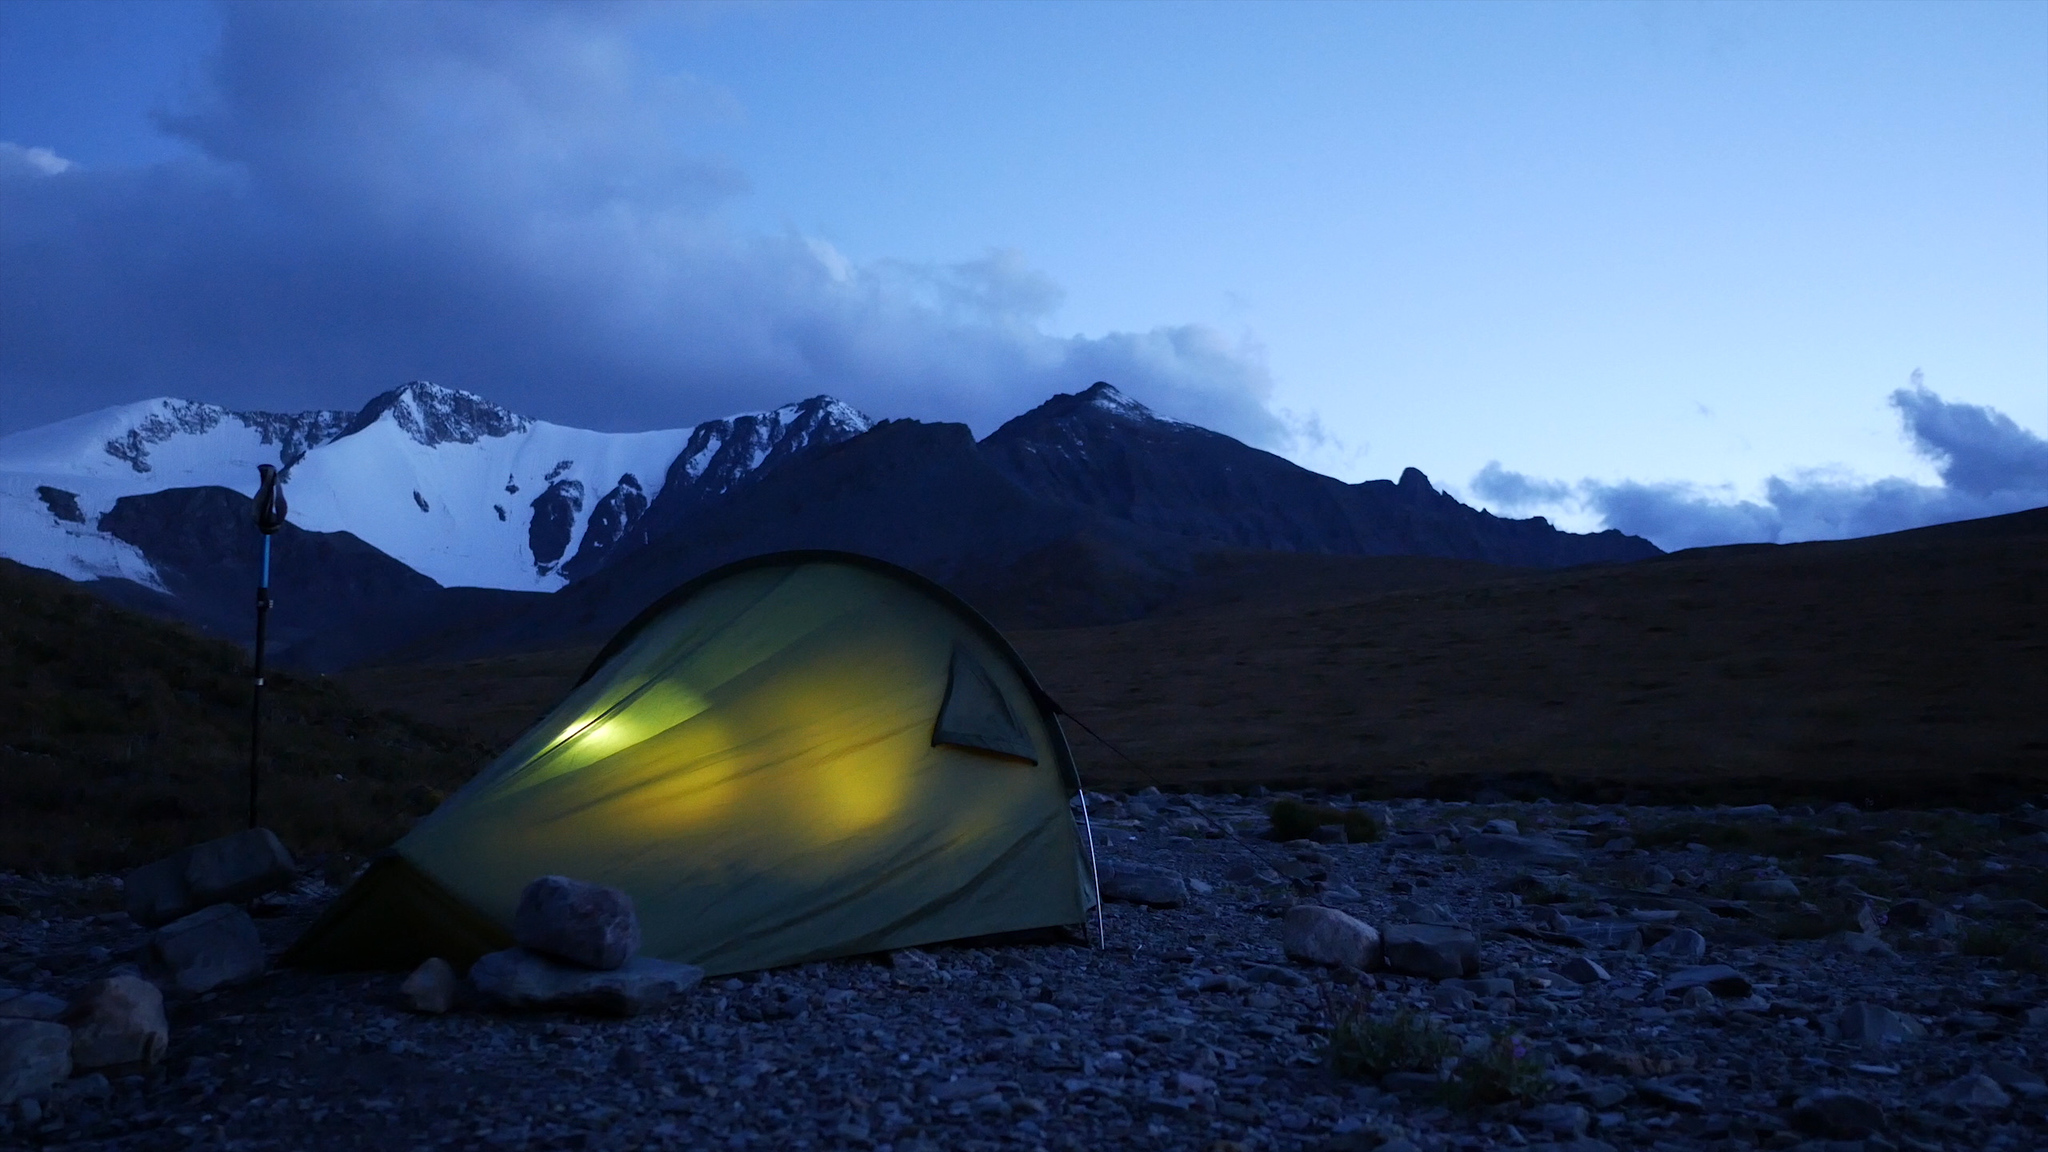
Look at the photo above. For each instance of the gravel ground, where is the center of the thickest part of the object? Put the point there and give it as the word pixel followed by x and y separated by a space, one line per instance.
pixel 1190 1028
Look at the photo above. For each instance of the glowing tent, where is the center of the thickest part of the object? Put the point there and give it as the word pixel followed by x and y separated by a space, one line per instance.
pixel 795 757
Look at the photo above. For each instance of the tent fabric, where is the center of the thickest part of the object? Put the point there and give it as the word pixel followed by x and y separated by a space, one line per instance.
pixel 766 763
pixel 975 715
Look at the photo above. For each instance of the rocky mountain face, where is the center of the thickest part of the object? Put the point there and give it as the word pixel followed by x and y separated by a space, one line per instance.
pixel 412 513
pixel 1103 451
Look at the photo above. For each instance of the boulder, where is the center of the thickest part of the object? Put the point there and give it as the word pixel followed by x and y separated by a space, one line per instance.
pixel 1569 1121
pixel 224 871
pixel 34 1056
pixel 1429 950
pixel 522 979
pixel 1520 849
pixel 210 948
pixel 431 987
pixel 119 1020
pixel 1143 884
pixel 583 923
pixel 1719 979
pixel 1837 1114
pixel 1873 1025
pixel 1773 888
pixel 1321 935
pixel 1682 944
pixel 1976 1092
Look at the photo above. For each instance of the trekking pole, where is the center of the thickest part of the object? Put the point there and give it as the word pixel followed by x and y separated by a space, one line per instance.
pixel 270 509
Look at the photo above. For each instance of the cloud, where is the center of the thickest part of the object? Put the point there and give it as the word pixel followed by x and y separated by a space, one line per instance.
pixel 17 162
pixel 507 198
pixel 1988 465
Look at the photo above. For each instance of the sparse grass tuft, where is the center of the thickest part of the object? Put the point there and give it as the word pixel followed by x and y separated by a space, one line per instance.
pixel 1296 820
pixel 1506 1069
pixel 1991 939
pixel 1363 1045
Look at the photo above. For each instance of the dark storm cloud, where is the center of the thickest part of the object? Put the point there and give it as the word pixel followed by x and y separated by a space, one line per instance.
pixel 504 199
pixel 1988 466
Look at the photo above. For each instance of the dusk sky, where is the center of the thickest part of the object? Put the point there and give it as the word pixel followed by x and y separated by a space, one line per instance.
pixel 1666 267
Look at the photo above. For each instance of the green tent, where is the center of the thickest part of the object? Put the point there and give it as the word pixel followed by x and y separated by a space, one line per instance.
pixel 796 757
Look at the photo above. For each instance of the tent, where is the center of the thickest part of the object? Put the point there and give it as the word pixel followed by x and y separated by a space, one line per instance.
pixel 795 757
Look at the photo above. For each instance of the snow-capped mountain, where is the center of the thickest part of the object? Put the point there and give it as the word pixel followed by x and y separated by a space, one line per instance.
pixel 444 481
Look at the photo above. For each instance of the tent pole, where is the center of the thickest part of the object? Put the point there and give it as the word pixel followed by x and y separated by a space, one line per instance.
pixel 1094 873
pixel 256 703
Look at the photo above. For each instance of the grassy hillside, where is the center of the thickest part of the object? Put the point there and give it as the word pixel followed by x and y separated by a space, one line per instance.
pixel 123 737
pixel 1904 669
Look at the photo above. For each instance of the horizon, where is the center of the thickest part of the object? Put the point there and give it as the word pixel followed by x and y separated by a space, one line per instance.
pixel 1670 270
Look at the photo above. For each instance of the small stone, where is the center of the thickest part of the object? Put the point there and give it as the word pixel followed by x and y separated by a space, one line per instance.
pixel 1682 944
pixel 119 1020
pixel 1976 1091
pixel 1567 1120
pixel 210 948
pixel 1143 884
pixel 1719 978
pixel 1604 1096
pixel 1188 1082
pixel 1859 944
pixel 1697 997
pixel 1583 970
pixel 573 920
pixel 1520 849
pixel 1449 998
pixel 518 978
pixel 1501 828
pixel 1274 974
pixel 1670 1095
pixel 1318 935
pixel 34 1055
pixel 431 987
pixel 1430 950
pixel 913 961
pixel 2024 1081
pixel 1837 1114
pixel 1874 1025
pixel 1417 912
pixel 1773 888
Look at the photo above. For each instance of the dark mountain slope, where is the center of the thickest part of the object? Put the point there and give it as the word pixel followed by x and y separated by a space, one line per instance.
pixel 337 600
pixel 123 737
pixel 1101 451
pixel 919 495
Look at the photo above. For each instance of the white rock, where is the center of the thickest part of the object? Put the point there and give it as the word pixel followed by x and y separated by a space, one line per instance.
pixel 583 923
pixel 1321 935
pixel 518 978
pixel 34 1055
pixel 1429 950
pixel 431 987
pixel 210 948
pixel 119 1020
pixel 1143 884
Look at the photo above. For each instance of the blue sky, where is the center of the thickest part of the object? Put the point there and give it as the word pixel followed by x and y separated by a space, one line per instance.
pixel 1666 267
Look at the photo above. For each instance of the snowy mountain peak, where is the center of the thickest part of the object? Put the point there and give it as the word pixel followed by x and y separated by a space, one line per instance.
pixel 432 415
pixel 1102 395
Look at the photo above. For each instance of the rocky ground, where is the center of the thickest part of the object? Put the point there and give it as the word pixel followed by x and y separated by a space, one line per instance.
pixel 1882 989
